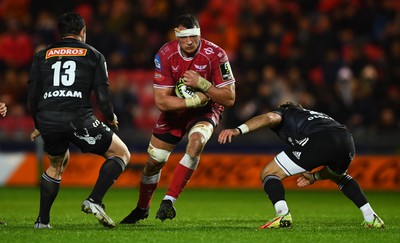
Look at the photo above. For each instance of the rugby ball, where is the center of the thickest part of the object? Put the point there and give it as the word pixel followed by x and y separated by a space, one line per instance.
pixel 183 91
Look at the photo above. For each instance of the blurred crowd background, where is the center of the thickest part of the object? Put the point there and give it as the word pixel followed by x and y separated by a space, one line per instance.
pixel 341 57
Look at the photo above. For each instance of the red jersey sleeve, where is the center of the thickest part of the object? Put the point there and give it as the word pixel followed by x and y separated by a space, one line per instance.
pixel 162 73
pixel 221 69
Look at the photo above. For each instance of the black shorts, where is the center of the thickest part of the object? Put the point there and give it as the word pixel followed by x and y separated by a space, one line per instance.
pixel 334 149
pixel 94 138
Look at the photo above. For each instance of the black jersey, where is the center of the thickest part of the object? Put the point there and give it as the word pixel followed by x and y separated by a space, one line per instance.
pixel 61 81
pixel 298 123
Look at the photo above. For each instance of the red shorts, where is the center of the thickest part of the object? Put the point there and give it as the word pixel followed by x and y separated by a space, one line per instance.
pixel 178 124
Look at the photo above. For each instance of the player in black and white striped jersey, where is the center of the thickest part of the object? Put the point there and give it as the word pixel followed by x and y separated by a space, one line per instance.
pixel 315 139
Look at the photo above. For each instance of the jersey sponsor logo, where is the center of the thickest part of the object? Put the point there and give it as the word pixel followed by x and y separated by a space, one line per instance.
pixel 158 76
pixel 200 67
pixel 315 115
pixel 296 154
pixel 62 93
pixel 208 50
pixel 105 67
pixel 160 126
pixel 65 51
pixel 86 137
pixel 351 155
pixel 225 69
pixel 175 68
pixel 157 62
pixel 302 142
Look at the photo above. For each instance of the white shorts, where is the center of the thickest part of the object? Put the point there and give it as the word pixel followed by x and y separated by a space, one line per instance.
pixel 287 165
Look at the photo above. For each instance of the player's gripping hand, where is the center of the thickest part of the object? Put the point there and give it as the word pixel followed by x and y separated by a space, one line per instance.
pixel 3 109
pixel 114 122
pixel 193 79
pixel 198 100
pixel 227 134
pixel 305 179
pixel 35 134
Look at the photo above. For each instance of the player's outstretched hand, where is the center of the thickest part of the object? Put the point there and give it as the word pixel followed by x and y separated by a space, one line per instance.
pixel 305 179
pixel 35 134
pixel 3 109
pixel 227 134
pixel 114 123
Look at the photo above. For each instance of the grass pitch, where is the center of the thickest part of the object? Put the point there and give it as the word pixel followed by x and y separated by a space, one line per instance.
pixel 202 216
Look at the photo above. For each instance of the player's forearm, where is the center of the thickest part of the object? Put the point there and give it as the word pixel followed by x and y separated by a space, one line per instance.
pixel 257 122
pixel 224 96
pixel 170 103
pixel 103 96
pixel 32 101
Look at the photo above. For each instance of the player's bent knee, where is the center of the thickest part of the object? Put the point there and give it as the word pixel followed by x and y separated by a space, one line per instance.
pixel 272 168
pixel 335 177
pixel 333 173
pixel 118 160
pixel 159 155
pixel 204 130
pixel 126 155
pixel 152 167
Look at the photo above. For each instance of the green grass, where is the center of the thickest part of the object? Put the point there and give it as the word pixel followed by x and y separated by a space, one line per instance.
pixel 202 216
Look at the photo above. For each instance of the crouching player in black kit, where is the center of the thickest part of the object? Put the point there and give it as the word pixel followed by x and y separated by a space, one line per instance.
pixel 315 140
pixel 61 80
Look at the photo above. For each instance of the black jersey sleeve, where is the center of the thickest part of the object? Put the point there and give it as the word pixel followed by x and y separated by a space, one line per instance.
pixel 34 90
pixel 100 73
pixel 104 100
pixel 101 89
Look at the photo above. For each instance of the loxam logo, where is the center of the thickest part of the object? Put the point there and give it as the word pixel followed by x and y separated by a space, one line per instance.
pixel 65 51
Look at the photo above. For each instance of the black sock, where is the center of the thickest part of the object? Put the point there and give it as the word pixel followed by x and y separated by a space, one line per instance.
pixel 273 187
pixel 352 190
pixel 109 172
pixel 48 192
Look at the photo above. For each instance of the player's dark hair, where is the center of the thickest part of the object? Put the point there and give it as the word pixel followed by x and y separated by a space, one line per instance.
pixel 70 24
pixel 188 21
pixel 290 104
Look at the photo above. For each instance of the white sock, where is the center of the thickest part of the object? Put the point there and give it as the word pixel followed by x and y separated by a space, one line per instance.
pixel 281 208
pixel 189 162
pixel 167 197
pixel 367 212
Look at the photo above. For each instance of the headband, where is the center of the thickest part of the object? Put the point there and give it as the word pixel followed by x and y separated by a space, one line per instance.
pixel 187 32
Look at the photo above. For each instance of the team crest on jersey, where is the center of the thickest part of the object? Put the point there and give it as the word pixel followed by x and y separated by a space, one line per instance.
pixel 65 51
pixel 226 72
pixel 200 67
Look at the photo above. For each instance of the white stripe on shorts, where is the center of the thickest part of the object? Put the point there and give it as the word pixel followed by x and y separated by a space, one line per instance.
pixel 287 165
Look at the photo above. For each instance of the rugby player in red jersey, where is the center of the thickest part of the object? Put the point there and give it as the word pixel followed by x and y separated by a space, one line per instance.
pixel 204 67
